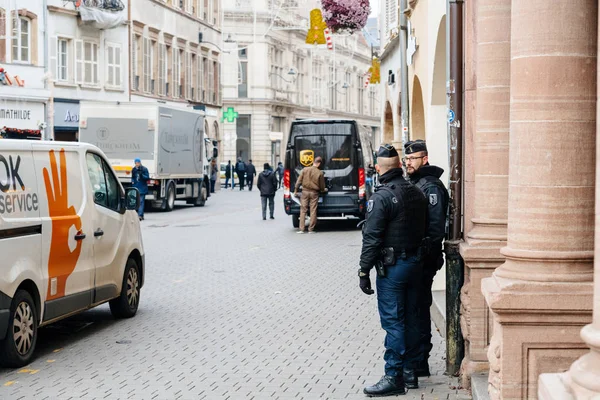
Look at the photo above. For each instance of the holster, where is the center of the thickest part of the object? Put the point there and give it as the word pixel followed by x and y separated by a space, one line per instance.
pixel 388 256
pixel 380 268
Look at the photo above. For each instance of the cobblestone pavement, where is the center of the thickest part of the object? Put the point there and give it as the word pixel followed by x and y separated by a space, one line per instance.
pixel 233 308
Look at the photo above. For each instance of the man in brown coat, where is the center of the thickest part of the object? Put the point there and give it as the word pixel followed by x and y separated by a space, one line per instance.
pixel 312 181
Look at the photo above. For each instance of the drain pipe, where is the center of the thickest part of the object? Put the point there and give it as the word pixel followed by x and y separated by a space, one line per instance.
pixel 404 104
pixel 454 262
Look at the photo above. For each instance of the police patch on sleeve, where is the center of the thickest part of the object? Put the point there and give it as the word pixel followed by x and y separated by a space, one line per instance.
pixel 370 204
pixel 433 200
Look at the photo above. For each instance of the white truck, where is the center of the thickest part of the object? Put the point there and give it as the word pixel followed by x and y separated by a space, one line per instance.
pixel 170 142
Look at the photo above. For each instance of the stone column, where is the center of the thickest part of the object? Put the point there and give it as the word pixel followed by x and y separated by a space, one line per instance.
pixel 542 295
pixel 481 251
pixel 583 379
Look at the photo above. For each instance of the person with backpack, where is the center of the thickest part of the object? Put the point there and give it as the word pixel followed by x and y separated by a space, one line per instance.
pixel 240 169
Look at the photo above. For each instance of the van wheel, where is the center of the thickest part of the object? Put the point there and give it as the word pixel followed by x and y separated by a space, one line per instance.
pixel 170 200
pixel 202 196
pixel 296 221
pixel 126 305
pixel 19 344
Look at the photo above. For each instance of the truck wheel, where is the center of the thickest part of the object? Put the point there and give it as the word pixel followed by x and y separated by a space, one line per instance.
pixel 19 344
pixel 126 305
pixel 202 196
pixel 170 200
pixel 296 221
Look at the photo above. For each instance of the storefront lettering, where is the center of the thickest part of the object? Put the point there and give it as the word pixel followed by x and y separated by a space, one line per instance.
pixel 71 117
pixel 7 113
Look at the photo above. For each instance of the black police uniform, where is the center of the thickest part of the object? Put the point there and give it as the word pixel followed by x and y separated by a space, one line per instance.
pixel 396 218
pixel 427 178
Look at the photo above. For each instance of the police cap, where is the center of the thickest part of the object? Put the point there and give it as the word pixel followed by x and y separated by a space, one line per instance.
pixel 415 146
pixel 387 151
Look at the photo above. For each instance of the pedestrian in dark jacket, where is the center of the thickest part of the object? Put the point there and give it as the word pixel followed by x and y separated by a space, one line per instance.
pixel 229 175
pixel 250 173
pixel 214 172
pixel 279 171
pixel 240 169
pixel 267 184
pixel 427 178
pixel 139 180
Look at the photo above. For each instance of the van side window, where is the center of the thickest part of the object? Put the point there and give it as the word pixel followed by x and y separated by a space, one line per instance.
pixel 97 178
pixel 112 188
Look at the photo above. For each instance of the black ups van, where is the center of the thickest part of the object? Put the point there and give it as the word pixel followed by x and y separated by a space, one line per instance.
pixel 347 162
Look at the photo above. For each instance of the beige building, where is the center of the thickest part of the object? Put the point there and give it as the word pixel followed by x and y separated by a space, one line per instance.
pixel 175 55
pixel 271 78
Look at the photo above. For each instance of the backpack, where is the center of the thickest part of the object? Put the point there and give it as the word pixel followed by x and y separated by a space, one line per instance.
pixel 241 166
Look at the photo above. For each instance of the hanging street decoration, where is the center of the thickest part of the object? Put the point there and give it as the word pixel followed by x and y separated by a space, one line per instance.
pixel 328 39
pixel 367 79
pixel 375 71
pixel 316 33
pixel 346 16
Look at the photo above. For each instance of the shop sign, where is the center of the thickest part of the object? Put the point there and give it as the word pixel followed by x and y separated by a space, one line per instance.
pixel 21 114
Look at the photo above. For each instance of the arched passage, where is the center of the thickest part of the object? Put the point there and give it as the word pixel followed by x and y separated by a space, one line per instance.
pixel 438 86
pixel 388 124
pixel 417 111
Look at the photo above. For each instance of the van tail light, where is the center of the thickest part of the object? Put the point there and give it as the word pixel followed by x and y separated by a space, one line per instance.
pixel 361 183
pixel 152 182
pixel 286 184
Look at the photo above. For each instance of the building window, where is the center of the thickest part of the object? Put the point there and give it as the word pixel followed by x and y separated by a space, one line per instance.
pixel 181 73
pixel 188 75
pixel 347 80
pixel 211 82
pixel 361 94
pixel 62 71
pixel 162 68
pixel 176 72
pixel 21 39
pixel 243 73
pixel 205 85
pixel 333 88
pixel 199 79
pixel 135 51
pixel 86 60
pixel 216 82
pixel 113 73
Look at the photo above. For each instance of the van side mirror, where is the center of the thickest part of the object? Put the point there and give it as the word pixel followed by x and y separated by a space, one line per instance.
pixel 132 199
pixel 215 153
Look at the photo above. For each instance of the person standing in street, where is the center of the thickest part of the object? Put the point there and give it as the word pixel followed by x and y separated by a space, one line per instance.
pixel 393 241
pixel 312 181
pixel 229 175
pixel 250 173
pixel 279 172
pixel 214 172
pixel 139 180
pixel 240 169
pixel 427 178
pixel 267 185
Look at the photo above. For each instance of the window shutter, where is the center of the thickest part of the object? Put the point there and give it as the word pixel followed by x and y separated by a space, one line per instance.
pixel 78 61
pixel 117 67
pixel 133 61
pixel 53 57
pixel 161 69
pixel 2 37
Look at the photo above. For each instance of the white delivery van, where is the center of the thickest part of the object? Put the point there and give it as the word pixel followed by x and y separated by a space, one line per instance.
pixel 70 240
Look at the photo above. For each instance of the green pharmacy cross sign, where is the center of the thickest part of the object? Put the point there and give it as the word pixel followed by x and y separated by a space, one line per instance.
pixel 230 115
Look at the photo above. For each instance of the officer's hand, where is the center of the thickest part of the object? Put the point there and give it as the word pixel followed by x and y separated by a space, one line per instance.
pixel 295 194
pixel 365 285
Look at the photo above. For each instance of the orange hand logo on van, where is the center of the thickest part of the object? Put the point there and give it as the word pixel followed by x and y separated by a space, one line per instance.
pixel 62 260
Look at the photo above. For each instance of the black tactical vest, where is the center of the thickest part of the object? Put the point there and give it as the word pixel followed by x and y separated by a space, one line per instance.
pixel 408 218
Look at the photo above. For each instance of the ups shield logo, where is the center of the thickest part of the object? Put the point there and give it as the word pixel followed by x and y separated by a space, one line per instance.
pixel 307 157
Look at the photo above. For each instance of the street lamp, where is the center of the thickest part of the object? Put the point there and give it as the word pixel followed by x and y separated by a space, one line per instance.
pixel 228 40
pixel 292 72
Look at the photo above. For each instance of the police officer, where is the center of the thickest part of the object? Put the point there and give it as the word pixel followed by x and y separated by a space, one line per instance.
pixel 393 234
pixel 427 178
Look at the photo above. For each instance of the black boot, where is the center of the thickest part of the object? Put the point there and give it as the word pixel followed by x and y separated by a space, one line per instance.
pixel 410 378
pixel 423 369
pixel 387 386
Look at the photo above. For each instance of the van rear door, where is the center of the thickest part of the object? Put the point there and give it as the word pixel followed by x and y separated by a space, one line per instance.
pixel 332 141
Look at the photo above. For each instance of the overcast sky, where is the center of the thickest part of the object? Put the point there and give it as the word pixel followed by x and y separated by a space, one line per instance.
pixel 374 8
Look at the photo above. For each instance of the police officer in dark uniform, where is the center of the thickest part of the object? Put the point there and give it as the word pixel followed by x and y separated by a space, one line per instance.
pixel 393 235
pixel 427 178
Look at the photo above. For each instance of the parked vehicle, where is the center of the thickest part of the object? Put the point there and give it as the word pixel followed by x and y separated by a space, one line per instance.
pixel 170 142
pixel 346 154
pixel 70 239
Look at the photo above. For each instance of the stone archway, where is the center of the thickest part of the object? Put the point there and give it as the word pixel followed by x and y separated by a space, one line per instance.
pixel 388 124
pixel 417 111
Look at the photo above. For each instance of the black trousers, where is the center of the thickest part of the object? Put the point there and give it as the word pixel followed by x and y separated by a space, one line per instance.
pixel 241 179
pixel 250 181
pixel 433 262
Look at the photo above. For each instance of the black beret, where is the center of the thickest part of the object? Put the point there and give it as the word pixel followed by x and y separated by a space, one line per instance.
pixel 415 146
pixel 387 151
